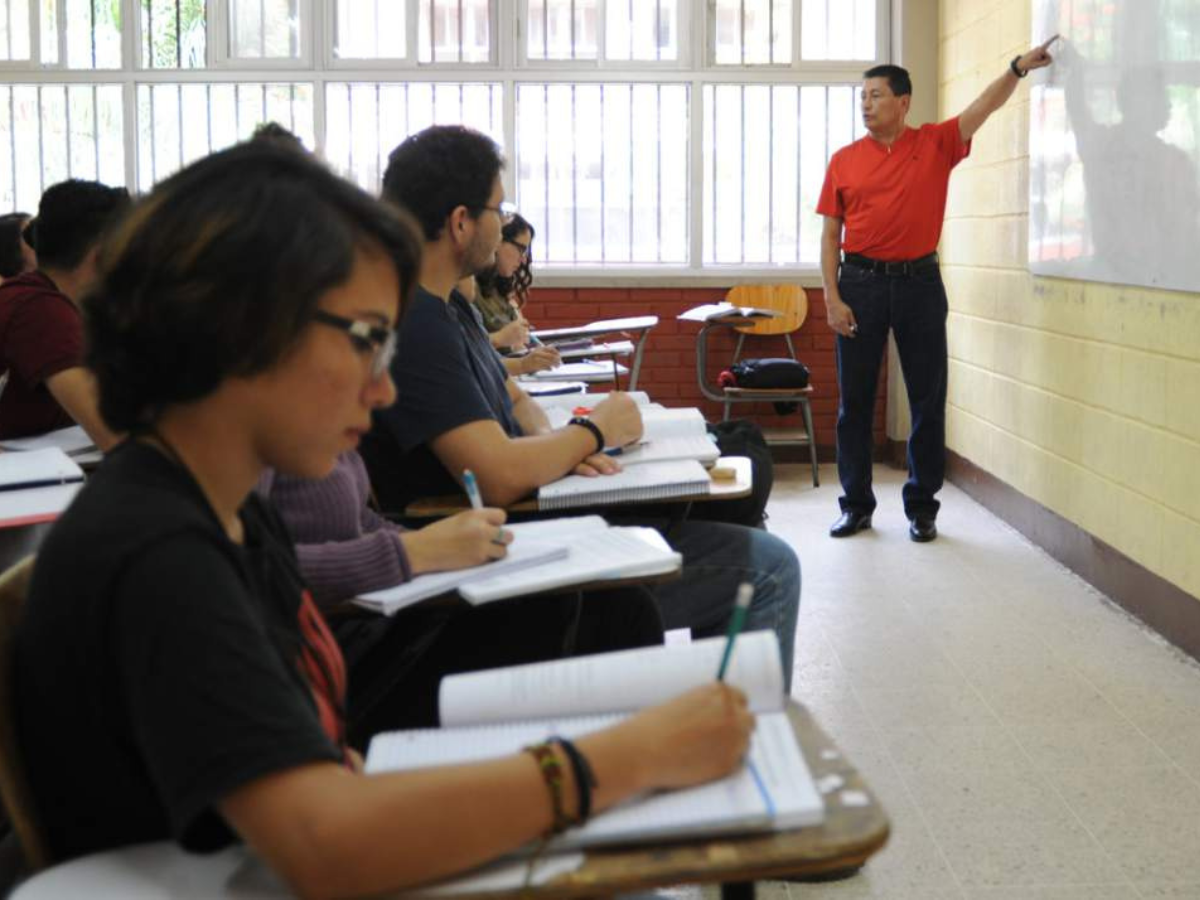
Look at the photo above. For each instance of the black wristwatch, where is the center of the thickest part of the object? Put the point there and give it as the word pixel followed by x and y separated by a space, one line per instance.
pixel 1016 70
pixel 591 426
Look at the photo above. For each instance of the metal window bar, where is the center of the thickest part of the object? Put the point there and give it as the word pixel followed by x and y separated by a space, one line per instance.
pixel 799 182
pixel 603 192
pixel 574 162
pixel 546 158
pixel 771 30
pixel 8 17
pixel 41 146
pixel 742 30
pixel 461 31
pixel 12 142
pixel 92 19
pixel 178 35
pixel 658 167
pixel 96 131
pixel 629 89
pixel 148 59
pixel 432 31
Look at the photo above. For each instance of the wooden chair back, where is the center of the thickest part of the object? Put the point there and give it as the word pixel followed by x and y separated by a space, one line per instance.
pixel 14 789
pixel 789 299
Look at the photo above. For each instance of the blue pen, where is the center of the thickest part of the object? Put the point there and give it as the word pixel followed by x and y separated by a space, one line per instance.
pixel 472 488
pixel 614 451
pixel 737 619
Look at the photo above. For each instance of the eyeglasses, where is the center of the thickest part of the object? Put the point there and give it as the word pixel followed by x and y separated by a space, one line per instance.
pixel 506 211
pixel 380 342
pixel 524 248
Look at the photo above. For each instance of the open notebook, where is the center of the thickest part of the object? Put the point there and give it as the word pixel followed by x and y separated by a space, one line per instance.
pixel 498 711
pixel 635 484
pixel 36 485
pixel 544 555
pixel 602 326
pixel 710 311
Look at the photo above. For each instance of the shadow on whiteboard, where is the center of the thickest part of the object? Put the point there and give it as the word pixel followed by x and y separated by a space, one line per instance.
pixel 1114 179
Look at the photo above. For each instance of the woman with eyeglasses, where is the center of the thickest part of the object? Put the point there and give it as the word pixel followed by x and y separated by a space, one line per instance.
pixel 241 322
pixel 499 294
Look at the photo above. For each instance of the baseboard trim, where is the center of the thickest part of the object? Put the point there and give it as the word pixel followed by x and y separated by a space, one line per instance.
pixel 1164 607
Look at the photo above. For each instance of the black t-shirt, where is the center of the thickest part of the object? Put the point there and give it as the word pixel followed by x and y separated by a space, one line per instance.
pixel 447 374
pixel 160 666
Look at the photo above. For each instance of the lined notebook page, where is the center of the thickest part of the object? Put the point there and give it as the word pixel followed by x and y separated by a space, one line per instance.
pixel 651 481
pixel 48 465
pixel 743 801
pixel 602 555
pixel 697 447
pixel 523 553
pixel 613 682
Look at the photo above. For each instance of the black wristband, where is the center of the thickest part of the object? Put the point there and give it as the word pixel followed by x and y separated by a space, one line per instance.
pixel 591 426
pixel 585 778
pixel 1016 70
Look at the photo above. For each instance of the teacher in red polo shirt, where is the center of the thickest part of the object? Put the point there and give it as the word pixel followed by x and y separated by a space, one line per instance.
pixel 41 330
pixel 883 202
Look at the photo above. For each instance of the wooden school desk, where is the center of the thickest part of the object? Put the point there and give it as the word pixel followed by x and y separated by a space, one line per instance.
pixel 855 827
pixel 739 486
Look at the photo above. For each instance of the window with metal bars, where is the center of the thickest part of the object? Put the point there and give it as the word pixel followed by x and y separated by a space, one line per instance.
pixel 640 134
pixel 765 152
pixel 51 132
pixel 365 121
pixel 179 123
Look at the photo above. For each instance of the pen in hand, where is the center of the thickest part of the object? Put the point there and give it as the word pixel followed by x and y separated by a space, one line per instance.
pixel 472 488
pixel 737 619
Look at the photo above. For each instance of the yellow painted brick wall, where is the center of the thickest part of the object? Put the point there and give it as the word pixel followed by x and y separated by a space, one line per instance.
pixel 1083 396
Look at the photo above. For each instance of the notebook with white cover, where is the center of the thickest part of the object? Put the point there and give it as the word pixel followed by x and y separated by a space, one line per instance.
pixel 614 348
pixel 37 468
pixel 73 441
pixel 523 553
pixel 641 483
pixel 602 326
pixel 605 554
pixel 496 712
pixel 547 390
pixel 593 399
pixel 580 370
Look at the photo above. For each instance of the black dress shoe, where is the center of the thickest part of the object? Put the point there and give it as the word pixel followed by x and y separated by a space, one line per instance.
pixel 849 523
pixel 922 529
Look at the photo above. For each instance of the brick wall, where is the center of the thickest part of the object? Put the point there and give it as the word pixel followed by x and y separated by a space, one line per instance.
pixel 669 367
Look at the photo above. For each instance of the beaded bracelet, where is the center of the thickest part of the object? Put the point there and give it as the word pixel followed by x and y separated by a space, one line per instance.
pixel 552 774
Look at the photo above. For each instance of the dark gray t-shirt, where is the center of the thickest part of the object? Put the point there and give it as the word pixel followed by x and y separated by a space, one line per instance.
pixel 447 374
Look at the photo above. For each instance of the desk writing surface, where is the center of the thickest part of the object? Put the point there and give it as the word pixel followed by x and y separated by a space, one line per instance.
pixel 848 837
pixel 740 486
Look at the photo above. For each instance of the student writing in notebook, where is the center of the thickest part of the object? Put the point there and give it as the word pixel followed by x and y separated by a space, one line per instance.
pixel 344 548
pixel 41 333
pixel 173 677
pixel 458 409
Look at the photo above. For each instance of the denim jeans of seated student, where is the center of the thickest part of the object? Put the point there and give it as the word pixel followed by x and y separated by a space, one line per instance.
pixel 716 559
pixel 914 308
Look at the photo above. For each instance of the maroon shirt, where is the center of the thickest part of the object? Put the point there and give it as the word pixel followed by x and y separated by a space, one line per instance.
pixel 41 334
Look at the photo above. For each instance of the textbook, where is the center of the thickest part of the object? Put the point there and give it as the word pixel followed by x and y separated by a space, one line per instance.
pixel 579 370
pixel 709 311
pixel 662 480
pixel 498 711
pixel 669 434
pixel 544 555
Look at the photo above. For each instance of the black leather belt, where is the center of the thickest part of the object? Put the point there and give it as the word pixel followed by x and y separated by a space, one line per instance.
pixel 882 267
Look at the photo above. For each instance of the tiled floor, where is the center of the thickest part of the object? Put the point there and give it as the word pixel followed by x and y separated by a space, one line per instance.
pixel 1028 739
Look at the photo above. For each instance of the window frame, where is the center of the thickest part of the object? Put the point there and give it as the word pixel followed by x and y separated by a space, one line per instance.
pixel 509 70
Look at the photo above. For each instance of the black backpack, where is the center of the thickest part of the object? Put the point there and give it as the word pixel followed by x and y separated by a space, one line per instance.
pixel 739 437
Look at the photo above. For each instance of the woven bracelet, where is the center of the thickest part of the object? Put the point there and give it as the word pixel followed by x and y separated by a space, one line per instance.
pixel 552 774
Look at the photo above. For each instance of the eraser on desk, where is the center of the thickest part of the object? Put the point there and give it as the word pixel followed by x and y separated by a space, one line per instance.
pixel 581 411
pixel 723 473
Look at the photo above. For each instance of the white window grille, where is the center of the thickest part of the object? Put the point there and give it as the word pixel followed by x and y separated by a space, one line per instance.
pixel 179 123
pixel 766 148
pixel 264 29
pixel 641 135
pixel 51 132
pixel 603 171
pixel 174 34
pixel 365 122
pixel 838 29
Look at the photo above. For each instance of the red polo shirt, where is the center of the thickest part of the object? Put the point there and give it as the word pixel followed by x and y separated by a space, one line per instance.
pixel 892 199
pixel 41 334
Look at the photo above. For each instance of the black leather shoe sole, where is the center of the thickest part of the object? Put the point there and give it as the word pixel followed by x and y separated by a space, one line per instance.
pixel 850 523
pixel 922 531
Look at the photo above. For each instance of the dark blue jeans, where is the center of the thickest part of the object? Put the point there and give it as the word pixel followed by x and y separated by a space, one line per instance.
pixel 914 308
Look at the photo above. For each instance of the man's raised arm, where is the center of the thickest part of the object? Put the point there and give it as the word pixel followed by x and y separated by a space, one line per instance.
pixel 996 94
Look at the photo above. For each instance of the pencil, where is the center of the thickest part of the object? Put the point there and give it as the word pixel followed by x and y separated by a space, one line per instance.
pixel 737 619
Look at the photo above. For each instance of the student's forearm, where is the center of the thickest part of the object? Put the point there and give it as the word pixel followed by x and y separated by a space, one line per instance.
pixel 352 835
pixel 530 415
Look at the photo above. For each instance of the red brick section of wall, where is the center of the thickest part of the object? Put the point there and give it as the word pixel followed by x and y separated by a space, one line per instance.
pixel 669 367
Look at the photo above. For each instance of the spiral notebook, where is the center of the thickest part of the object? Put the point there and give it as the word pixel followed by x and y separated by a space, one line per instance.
pixel 636 484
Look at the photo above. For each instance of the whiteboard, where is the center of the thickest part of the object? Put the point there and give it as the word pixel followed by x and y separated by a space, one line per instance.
pixel 1114 153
